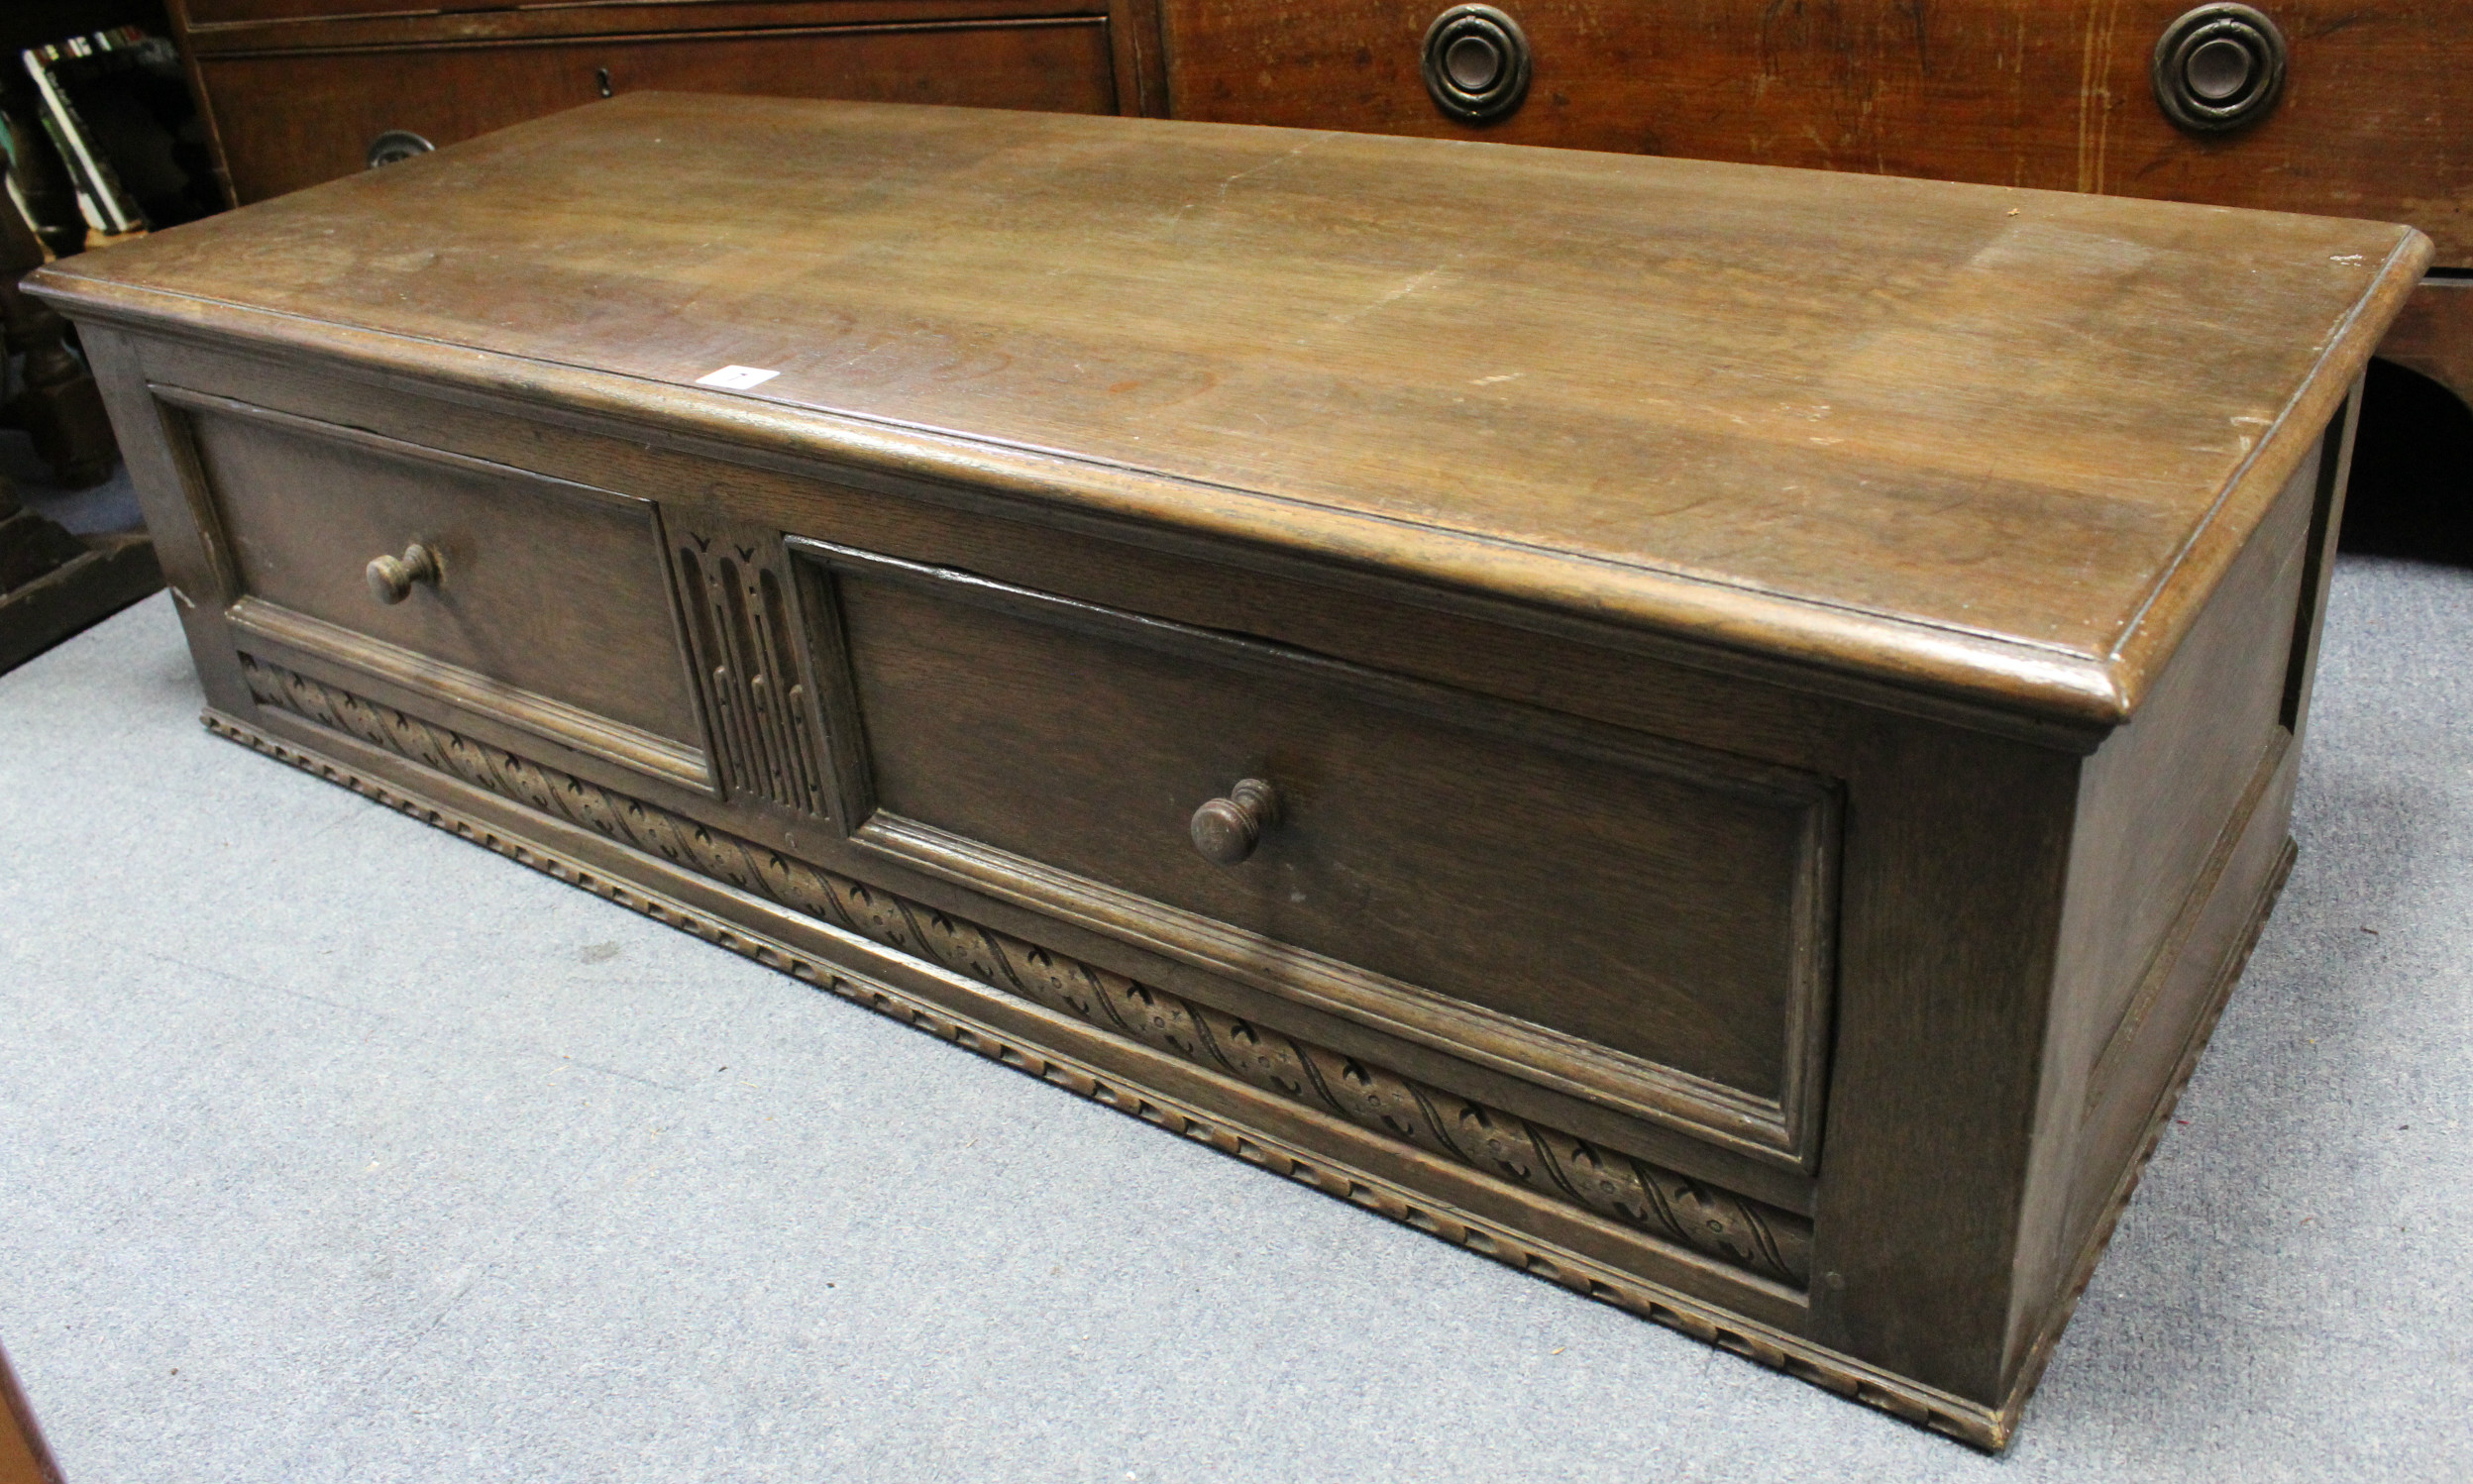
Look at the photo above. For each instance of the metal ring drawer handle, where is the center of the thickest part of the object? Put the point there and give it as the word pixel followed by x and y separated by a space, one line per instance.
pixel 1476 63
pixel 2219 67
pixel 1225 830
pixel 391 578
pixel 396 145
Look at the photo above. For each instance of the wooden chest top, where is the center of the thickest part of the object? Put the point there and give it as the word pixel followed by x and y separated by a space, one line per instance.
pixel 1992 443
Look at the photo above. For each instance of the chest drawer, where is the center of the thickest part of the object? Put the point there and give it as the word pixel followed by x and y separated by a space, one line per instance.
pixel 289 119
pixel 1627 918
pixel 538 602
pixel 1987 91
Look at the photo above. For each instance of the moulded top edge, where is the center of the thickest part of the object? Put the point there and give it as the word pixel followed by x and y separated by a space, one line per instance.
pixel 1990 442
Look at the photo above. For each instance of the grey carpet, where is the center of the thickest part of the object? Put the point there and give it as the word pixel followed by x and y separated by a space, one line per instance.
pixel 333 1147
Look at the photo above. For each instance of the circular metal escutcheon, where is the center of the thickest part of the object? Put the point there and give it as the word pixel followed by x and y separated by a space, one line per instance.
pixel 397 144
pixel 1476 63
pixel 2219 67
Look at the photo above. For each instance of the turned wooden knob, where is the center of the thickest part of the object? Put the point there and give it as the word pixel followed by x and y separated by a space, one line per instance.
pixel 1225 830
pixel 391 578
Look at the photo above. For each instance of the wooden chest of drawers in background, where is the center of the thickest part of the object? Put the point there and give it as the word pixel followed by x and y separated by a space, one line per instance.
pixel 2374 117
pixel 301 91
pixel 2371 114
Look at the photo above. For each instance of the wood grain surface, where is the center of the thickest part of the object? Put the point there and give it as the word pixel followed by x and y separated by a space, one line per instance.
pixel 1640 923
pixel 244 24
pixel 2375 119
pixel 1987 439
pixel 554 588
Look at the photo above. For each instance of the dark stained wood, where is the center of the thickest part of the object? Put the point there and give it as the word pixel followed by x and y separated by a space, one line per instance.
pixel 228 12
pixel 291 119
pixel 1673 687
pixel 1140 1056
pixel 1944 444
pixel 1691 618
pixel 393 579
pixel 1662 698
pixel 2180 837
pixel 1646 924
pixel 2374 122
pixel 1950 921
pixel 2160 790
pixel 552 592
pixel 225 25
pixel 2013 92
pixel 295 91
pixel 1228 828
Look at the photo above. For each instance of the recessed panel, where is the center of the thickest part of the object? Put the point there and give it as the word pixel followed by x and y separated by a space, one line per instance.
pixel 551 596
pixel 1575 900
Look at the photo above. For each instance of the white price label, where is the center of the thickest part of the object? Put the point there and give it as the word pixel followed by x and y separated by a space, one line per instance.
pixel 737 377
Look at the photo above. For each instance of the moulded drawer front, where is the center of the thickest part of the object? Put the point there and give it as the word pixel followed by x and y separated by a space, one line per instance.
pixel 1983 90
pixel 225 11
pixel 1643 924
pixel 289 120
pixel 550 606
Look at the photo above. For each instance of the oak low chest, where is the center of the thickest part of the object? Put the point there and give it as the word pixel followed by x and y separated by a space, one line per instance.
pixel 1717 734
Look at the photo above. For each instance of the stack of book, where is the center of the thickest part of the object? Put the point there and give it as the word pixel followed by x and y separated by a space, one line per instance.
pixel 113 106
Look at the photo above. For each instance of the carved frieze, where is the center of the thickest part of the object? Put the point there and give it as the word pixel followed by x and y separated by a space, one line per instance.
pixel 1663 1204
